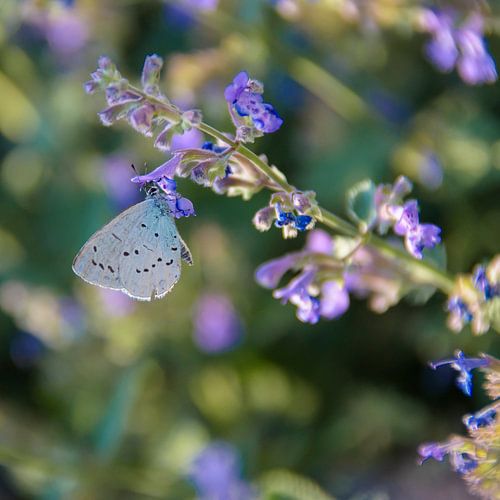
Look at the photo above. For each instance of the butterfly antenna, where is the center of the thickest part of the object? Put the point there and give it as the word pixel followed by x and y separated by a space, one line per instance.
pixel 134 169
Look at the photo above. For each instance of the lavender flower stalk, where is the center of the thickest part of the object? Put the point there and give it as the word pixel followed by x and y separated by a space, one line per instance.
pixel 228 167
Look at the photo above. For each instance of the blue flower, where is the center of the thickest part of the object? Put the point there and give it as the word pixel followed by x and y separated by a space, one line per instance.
pixel 463 365
pixel 245 97
pixel 417 236
pixel 480 419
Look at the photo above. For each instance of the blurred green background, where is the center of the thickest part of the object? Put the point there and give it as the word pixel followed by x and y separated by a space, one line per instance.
pixel 103 397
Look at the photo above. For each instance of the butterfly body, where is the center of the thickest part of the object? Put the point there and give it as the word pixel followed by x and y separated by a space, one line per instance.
pixel 139 252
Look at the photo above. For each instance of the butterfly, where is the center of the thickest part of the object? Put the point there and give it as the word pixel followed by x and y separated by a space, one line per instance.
pixel 139 252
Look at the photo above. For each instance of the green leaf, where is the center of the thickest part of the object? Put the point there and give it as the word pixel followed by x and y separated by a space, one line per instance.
pixel 361 204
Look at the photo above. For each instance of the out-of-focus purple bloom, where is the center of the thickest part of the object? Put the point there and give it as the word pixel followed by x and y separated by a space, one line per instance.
pixel 480 419
pixel 25 349
pixel 66 32
pixel 216 474
pixel 116 303
pixel 475 65
pixel 461 46
pixel 203 5
pixel 417 236
pixel 319 241
pixel 245 97
pixel 463 365
pixel 334 300
pixel 295 287
pixel 313 298
pixel 116 174
pixel 270 273
pixel 217 325
pixel 190 139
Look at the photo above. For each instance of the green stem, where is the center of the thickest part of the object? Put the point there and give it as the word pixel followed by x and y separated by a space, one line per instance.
pixel 420 271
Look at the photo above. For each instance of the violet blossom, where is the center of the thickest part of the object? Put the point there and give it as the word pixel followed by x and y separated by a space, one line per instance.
pixel 217 326
pixel 216 474
pixel 463 365
pixel 245 100
pixel 314 299
pixel 461 46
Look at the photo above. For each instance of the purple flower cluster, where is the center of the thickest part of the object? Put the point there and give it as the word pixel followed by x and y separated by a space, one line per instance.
pixel 314 294
pixel 250 114
pixel 475 298
pixel 404 218
pixel 125 102
pixel 216 474
pixel 217 326
pixel 463 365
pixel 461 46
pixel 292 212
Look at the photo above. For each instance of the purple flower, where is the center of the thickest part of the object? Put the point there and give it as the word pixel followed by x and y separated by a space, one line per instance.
pixel 319 241
pixel 141 119
pixel 417 236
pixel 151 74
pixel 167 169
pixel 462 462
pixel 270 273
pixel 190 139
pixel 116 174
pixel 463 46
pixel 299 222
pixel 217 325
pixel 296 287
pixel 116 303
pixel 245 97
pixel 388 199
pixel 204 5
pixel 334 300
pixel 216 474
pixel 66 32
pixel 238 85
pixel 480 419
pixel 437 451
pixel 464 366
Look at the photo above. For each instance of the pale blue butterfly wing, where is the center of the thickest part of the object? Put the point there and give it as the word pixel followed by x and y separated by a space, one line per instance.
pixel 138 252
